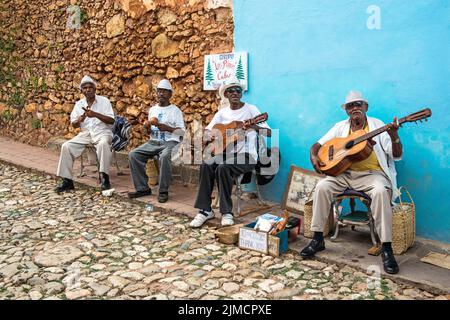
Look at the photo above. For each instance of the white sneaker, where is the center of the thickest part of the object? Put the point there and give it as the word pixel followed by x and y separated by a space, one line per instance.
pixel 201 218
pixel 227 220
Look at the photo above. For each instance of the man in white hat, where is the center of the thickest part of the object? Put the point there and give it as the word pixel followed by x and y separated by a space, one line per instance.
pixel 375 176
pixel 235 161
pixel 95 116
pixel 166 123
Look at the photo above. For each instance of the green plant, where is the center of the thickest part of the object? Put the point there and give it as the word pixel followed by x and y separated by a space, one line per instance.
pixel 83 16
pixel 7 115
pixel 59 68
pixel 17 99
pixel 7 45
pixel 36 123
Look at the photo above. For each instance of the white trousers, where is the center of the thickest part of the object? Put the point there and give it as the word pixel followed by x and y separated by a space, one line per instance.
pixel 374 183
pixel 73 148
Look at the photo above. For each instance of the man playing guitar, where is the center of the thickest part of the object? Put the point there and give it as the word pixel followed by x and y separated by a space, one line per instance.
pixel 375 176
pixel 236 159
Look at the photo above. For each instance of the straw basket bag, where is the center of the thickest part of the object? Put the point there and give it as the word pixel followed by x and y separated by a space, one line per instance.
pixel 152 172
pixel 403 224
pixel 307 218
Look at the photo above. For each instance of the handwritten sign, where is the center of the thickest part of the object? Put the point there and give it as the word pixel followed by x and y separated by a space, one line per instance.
pixel 220 67
pixel 253 240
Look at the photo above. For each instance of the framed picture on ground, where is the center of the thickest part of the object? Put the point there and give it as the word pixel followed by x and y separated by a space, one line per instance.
pixel 298 188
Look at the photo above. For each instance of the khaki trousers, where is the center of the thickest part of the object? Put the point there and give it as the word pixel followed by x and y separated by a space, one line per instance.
pixel 374 183
pixel 73 148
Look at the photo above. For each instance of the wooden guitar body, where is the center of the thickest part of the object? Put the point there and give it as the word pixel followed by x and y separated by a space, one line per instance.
pixel 338 154
pixel 337 158
pixel 228 134
pixel 225 134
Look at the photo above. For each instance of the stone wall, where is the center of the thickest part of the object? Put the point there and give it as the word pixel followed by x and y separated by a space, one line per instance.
pixel 127 46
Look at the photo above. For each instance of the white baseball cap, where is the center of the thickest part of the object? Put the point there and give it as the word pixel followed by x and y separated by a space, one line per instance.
pixel 164 84
pixel 87 79
pixel 353 96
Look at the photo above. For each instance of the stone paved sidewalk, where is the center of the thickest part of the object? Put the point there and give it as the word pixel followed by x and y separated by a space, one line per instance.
pixel 80 245
pixel 350 249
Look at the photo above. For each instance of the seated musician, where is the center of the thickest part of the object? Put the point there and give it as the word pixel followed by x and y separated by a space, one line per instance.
pixel 95 116
pixel 236 160
pixel 166 125
pixel 376 176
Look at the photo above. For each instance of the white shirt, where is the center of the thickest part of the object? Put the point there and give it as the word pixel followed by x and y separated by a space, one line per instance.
pixel 94 126
pixel 382 148
pixel 247 112
pixel 171 116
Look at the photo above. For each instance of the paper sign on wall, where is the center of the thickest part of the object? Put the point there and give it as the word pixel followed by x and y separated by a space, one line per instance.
pixel 220 67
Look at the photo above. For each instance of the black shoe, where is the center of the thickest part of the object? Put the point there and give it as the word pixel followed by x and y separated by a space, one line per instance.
pixel 313 247
pixel 105 182
pixel 163 197
pixel 66 185
pixel 138 194
pixel 389 263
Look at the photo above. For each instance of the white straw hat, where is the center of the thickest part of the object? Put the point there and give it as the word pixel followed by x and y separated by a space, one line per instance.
pixel 230 82
pixel 353 96
pixel 87 79
pixel 164 84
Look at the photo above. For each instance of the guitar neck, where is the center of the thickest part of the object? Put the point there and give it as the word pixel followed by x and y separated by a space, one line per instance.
pixel 376 132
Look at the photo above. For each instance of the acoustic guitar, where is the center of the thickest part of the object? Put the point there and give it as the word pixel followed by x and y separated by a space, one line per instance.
pixel 227 134
pixel 338 154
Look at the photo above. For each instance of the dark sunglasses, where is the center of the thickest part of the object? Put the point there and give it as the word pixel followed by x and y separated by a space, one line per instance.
pixel 354 104
pixel 231 90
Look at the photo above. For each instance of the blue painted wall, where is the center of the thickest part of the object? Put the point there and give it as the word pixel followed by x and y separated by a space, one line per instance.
pixel 304 56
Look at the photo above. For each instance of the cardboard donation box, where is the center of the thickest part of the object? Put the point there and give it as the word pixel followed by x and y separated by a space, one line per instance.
pixel 262 240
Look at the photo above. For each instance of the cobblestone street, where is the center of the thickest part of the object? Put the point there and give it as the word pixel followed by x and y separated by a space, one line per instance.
pixel 81 245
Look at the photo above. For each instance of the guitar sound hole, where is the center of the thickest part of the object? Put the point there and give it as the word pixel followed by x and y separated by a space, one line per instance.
pixel 349 144
pixel 330 153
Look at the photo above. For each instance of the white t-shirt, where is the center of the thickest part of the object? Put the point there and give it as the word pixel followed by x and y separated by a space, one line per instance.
pixel 94 126
pixel 382 148
pixel 171 116
pixel 247 112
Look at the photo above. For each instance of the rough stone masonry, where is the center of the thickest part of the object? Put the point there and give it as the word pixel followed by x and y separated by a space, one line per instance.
pixel 127 46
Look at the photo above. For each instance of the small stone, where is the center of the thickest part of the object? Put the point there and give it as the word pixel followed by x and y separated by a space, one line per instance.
pixel 230 287
pixel 76 294
pixel 183 286
pixel 198 273
pixel 294 274
pixel 286 293
pixel 135 265
pixel 35 295
pixel 197 294
pixel 139 293
pixel 178 294
pixel 117 281
pixel 133 275
pixel 99 289
pixel 344 290
pixel 314 264
pixel 211 284
pixel 266 285
pixel 411 293
pixel 52 288
pixel 220 274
